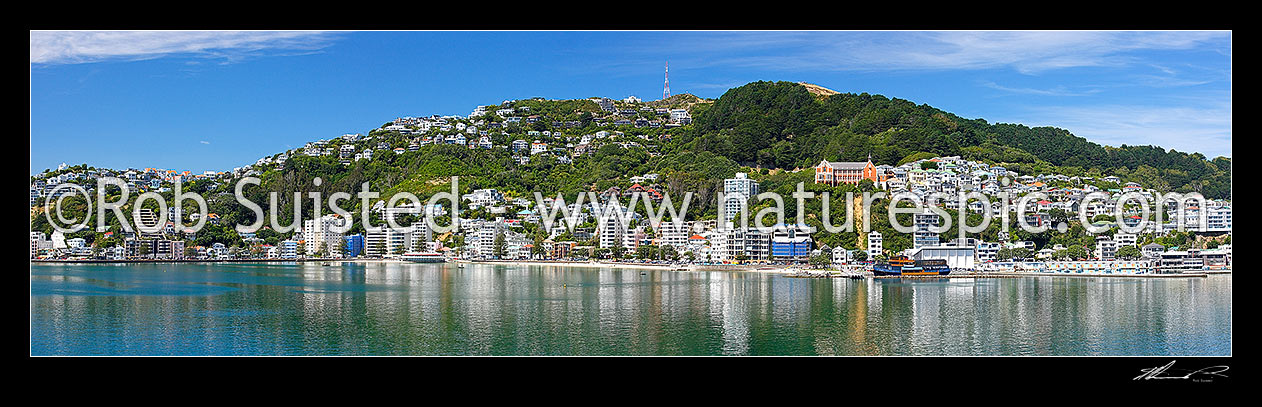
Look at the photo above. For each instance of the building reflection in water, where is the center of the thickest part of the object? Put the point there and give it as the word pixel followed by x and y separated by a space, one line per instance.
pixel 382 308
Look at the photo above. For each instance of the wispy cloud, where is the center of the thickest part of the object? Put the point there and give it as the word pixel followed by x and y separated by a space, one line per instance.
pixel 205 142
pixel 74 47
pixel 1059 90
pixel 1028 52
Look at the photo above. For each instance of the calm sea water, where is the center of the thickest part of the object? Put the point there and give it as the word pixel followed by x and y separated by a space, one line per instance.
pixel 412 309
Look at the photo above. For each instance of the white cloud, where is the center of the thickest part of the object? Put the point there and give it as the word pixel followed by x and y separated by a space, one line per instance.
pixel 1059 90
pixel 72 47
pixel 205 142
pixel 1027 52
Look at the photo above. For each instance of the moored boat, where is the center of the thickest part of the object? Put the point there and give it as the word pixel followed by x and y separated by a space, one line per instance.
pixel 903 266
pixel 417 257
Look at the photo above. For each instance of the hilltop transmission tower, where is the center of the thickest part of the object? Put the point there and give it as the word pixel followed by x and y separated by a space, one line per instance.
pixel 666 90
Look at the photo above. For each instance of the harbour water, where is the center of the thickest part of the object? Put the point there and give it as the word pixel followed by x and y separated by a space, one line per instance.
pixel 439 309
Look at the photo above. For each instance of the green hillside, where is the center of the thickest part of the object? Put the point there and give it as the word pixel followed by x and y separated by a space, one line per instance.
pixel 782 125
pixel 764 128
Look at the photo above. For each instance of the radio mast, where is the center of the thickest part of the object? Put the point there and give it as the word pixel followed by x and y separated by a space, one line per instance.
pixel 666 90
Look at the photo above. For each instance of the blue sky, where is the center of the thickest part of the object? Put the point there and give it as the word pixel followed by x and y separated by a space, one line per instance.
pixel 216 100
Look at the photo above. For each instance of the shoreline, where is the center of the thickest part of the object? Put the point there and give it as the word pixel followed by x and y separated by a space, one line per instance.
pixel 143 261
pixel 638 266
pixel 753 268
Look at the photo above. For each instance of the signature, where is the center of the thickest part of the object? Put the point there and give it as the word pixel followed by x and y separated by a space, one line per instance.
pixel 1158 373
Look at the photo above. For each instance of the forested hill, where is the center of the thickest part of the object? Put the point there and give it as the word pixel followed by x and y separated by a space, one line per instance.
pixel 783 125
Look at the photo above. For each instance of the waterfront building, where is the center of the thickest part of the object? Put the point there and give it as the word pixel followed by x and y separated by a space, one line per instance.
pixel 383 241
pixel 634 238
pixel 147 220
pixel 76 246
pixel 875 242
pixel 610 231
pixel 288 249
pixel 486 236
pixel 116 253
pixel 727 244
pixel 168 249
pixel 987 251
pixel 1105 248
pixel 1100 267
pixel 924 224
pixel 419 235
pixel 354 245
pixel 736 194
pixel 674 233
pixel 324 235
pixel 757 245
pixel 790 242
pixel 957 257
pixel 840 255
pixel 1175 261
pixel 39 242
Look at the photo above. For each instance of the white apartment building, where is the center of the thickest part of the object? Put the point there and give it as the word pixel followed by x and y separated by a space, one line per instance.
pixel 288 249
pixel 324 233
pixel 923 234
pixel 674 233
pixel 726 244
pixel 384 241
pixel 1218 217
pixel 1105 248
pixel 39 241
pixel 632 239
pixel 736 194
pixel 610 231
pixel 840 255
pixel 732 244
pixel 484 197
pixel 987 251
pixel 1125 239
pixel 874 244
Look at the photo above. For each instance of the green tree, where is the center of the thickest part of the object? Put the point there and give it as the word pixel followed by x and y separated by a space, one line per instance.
pixel 537 250
pixel 500 248
pixel 866 185
pixel 1128 252
pixel 821 260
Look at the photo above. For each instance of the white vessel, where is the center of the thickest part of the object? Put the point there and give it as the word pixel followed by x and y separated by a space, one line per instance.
pixel 1101 267
pixel 418 257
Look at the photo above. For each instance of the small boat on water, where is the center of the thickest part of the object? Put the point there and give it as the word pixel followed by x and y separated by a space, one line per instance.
pixel 418 257
pixel 903 266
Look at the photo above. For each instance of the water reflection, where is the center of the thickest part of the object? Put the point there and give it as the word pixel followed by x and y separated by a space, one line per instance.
pixel 412 309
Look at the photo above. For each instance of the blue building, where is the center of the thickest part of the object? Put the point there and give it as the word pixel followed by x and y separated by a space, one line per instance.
pixel 790 243
pixel 354 245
